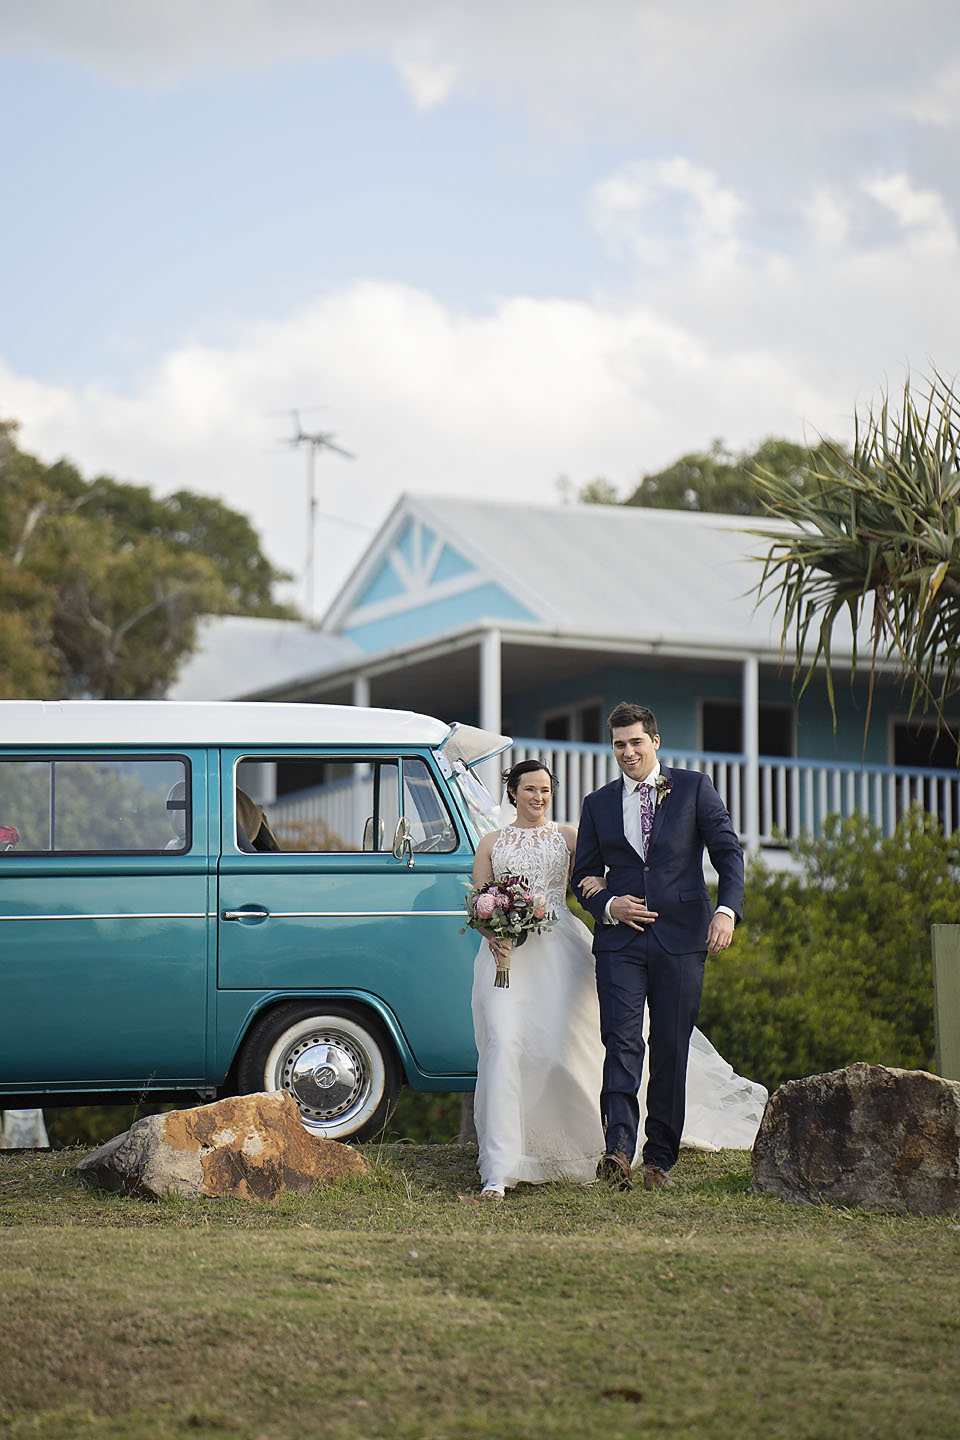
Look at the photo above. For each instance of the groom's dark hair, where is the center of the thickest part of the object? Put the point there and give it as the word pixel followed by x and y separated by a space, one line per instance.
pixel 626 713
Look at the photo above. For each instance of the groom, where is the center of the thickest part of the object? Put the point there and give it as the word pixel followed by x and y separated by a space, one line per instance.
pixel 654 927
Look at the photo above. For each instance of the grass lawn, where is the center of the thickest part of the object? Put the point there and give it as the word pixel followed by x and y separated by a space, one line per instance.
pixel 392 1306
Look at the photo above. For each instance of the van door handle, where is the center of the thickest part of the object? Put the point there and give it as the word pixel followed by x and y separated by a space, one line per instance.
pixel 244 914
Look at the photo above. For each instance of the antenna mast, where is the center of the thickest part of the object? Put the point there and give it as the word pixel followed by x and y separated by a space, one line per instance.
pixel 317 440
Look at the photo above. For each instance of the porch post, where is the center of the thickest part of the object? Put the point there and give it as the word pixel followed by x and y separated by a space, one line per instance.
pixel 490 703
pixel 751 752
pixel 361 690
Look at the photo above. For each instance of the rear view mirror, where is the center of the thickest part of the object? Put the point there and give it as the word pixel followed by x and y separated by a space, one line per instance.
pixel 402 844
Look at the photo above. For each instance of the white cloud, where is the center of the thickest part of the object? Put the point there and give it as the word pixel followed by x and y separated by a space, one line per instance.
pixel 428 83
pixel 500 404
pixel 781 79
pixel 427 399
pixel 635 213
pixel 921 214
pixel 828 219
pixel 937 102
pixel 780 257
pixel 780 100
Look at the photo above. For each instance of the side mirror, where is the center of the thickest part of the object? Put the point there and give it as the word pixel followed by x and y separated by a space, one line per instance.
pixel 402 844
pixel 369 843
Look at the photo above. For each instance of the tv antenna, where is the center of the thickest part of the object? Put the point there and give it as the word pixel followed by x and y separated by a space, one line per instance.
pixel 314 441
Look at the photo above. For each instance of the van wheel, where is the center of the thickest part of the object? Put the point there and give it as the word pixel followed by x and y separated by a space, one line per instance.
pixel 336 1061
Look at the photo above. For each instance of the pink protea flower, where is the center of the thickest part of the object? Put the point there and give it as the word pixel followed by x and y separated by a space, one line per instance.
pixel 484 906
pixel 539 907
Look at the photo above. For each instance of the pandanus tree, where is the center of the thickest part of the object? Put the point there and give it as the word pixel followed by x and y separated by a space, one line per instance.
pixel 875 537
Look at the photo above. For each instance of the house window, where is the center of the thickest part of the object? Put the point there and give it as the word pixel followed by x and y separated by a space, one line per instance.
pixel 721 725
pixel 583 723
pixel 918 744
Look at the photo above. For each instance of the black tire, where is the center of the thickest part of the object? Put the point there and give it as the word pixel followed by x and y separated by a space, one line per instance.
pixel 336 1060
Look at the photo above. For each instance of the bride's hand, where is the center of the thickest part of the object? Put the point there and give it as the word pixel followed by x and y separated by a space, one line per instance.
pixel 591 885
pixel 501 949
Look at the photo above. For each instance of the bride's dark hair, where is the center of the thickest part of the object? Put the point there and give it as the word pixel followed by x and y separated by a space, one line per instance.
pixel 525 767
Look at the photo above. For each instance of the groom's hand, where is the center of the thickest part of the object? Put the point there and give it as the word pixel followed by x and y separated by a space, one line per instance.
pixel 720 933
pixel 628 910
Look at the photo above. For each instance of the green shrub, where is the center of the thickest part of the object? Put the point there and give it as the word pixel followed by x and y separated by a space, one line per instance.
pixel 428 1117
pixel 832 964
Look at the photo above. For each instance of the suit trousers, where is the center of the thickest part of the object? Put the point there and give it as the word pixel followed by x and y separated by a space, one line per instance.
pixel 670 986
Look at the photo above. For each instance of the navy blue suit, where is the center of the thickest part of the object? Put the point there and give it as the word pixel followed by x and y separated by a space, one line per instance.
pixel 662 967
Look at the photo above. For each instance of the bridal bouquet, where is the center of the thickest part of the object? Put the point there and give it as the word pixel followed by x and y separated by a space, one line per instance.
pixel 507 909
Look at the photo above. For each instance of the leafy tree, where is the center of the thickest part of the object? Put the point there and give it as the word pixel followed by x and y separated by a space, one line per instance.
pixel 598 492
pixel 197 525
pixel 832 964
pixel 721 481
pixel 875 538
pixel 101 584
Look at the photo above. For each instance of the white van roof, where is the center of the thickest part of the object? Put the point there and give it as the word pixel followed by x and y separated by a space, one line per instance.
pixel 173 722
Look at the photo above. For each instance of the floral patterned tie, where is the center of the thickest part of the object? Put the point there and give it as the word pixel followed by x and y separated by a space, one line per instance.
pixel 645 792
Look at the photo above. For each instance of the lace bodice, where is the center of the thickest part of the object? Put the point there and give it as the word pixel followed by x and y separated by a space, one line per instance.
pixel 538 853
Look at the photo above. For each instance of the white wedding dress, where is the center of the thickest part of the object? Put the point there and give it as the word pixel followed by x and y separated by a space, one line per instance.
pixel 537 1102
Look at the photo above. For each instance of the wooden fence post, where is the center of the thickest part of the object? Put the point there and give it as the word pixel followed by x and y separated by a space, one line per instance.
pixel 946 999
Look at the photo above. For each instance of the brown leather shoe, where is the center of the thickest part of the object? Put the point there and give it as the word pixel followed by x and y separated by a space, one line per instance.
pixel 615 1169
pixel 656 1178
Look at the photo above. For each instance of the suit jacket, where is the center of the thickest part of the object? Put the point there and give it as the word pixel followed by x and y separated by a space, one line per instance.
pixel 692 816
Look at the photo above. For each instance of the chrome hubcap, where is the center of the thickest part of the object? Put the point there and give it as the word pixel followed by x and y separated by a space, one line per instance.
pixel 327 1076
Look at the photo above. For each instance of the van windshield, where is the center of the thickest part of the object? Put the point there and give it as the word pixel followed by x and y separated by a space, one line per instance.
pixel 482 807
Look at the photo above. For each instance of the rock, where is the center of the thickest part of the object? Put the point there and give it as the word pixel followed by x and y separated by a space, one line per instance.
pixel 250 1146
pixel 868 1135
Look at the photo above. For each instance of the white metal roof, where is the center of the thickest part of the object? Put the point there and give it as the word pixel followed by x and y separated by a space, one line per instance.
pixel 238 655
pixel 671 578
pixel 184 723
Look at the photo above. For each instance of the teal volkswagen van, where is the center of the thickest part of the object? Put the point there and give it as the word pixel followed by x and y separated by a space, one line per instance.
pixel 210 899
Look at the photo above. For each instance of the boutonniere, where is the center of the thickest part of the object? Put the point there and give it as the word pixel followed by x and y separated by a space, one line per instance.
pixel 663 787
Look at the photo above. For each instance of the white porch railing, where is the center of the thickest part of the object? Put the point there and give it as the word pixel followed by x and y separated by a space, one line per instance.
pixel 793 796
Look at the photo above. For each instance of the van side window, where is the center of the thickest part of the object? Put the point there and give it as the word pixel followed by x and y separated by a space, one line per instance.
pixel 341 804
pixel 431 828
pixel 96 804
pixel 315 804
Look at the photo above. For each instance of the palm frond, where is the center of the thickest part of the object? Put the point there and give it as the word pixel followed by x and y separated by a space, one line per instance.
pixel 875 537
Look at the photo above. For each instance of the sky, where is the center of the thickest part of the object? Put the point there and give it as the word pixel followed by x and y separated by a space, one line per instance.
pixel 487 246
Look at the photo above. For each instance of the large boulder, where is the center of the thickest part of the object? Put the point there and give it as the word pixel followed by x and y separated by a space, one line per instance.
pixel 250 1146
pixel 868 1135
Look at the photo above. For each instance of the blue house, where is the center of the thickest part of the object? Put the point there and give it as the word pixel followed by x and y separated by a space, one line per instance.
pixel 536 620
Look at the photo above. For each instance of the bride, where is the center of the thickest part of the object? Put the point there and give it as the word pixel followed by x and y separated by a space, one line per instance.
pixel 537 1102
